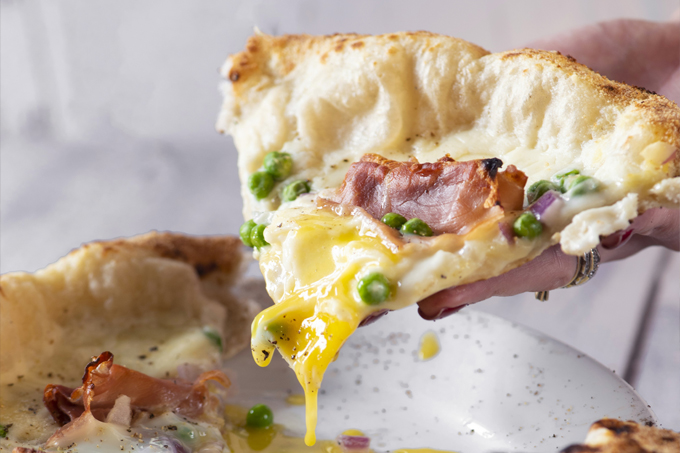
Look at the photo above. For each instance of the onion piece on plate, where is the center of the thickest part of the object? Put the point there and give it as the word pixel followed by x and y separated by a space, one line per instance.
pixel 354 444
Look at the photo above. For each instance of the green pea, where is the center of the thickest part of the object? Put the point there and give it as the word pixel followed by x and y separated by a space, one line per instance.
pixel 294 189
pixel 278 164
pixel 563 179
pixel 416 226
pixel 257 236
pixel 214 337
pixel 276 329
pixel 260 184
pixel 374 288
pixel 186 434
pixel 393 220
pixel 582 185
pixel 260 416
pixel 527 226
pixel 245 230
pixel 537 189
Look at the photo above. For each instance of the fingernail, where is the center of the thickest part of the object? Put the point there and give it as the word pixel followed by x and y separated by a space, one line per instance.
pixel 373 317
pixel 443 313
pixel 449 311
pixel 617 239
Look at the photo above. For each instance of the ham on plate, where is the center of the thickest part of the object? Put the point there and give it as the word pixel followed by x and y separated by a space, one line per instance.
pixel 450 196
pixel 104 383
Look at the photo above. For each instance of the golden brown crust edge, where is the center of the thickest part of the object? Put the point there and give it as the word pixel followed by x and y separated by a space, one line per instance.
pixel 272 57
pixel 204 253
pixel 656 109
pixel 616 436
pixel 251 65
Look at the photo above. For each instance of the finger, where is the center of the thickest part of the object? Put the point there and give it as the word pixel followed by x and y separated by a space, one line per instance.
pixel 638 52
pixel 552 269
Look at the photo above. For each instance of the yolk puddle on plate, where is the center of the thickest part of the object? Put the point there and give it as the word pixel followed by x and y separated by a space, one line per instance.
pixel 243 439
pixel 353 432
pixel 429 346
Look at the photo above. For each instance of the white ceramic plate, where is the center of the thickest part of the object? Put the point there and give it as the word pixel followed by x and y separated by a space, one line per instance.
pixel 495 386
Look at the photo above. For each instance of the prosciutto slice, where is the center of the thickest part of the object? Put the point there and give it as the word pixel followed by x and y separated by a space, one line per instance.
pixel 104 383
pixel 450 196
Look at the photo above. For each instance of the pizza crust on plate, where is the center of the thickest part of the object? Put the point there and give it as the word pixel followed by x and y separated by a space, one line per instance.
pixel 157 301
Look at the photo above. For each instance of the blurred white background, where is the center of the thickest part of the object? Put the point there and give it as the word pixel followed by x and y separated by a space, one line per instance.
pixel 107 129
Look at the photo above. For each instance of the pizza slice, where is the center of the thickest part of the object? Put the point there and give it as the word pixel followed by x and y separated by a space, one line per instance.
pixel 378 170
pixel 169 307
pixel 616 436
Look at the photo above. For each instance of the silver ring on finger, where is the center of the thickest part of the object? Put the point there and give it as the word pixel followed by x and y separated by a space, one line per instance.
pixel 586 268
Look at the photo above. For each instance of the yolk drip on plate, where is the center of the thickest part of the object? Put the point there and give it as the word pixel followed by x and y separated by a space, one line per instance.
pixel 429 346
pixel 243 439
pixel 310 323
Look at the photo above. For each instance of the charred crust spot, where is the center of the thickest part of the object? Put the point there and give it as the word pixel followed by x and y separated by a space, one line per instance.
pixel 340 45
pixel 644 90
pixel 203 269
pixel 511 55
pixel 492 165
pixel 357 45
pixel 570 58
pixel 617 426
pixel 234 75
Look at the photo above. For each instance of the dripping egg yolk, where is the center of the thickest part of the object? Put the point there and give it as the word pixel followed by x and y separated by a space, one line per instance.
pixel 314 264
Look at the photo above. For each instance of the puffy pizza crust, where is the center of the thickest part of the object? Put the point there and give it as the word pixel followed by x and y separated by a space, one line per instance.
pixel 328 100
pixel 147 299
pixel 616 436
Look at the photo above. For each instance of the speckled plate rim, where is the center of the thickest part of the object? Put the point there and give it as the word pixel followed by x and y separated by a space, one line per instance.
pixel 349 397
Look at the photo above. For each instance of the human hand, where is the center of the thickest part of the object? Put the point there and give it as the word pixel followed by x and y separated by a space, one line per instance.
pixel 639 53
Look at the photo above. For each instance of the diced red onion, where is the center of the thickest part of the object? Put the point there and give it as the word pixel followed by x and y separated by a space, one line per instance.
pixel 547 208
pixel 177 446
pixel 506 229
pixel 671 157
pixel 354 443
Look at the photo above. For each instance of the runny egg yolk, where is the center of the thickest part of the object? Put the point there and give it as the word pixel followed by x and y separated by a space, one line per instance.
pixel 310 341
pixel 309 324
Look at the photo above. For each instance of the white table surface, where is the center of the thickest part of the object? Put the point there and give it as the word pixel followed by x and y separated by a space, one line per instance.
pixel 107 130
